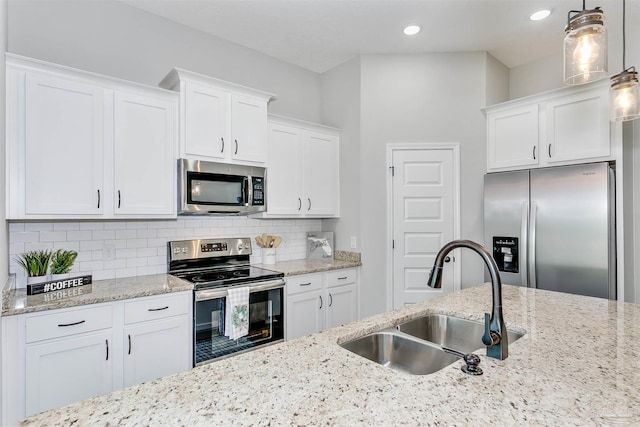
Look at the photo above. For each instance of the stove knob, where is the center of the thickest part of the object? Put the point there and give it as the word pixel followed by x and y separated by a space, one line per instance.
pixel 240 246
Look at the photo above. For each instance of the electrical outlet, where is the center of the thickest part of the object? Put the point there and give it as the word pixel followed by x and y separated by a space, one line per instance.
pixel 354 242
pixel 108 252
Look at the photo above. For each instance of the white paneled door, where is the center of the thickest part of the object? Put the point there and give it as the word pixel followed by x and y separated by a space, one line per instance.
pixel 425 216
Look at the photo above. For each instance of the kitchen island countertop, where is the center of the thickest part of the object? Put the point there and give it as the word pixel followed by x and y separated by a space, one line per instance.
pixel 577 364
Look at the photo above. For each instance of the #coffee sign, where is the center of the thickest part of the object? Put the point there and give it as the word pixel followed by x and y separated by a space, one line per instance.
pixel 58 285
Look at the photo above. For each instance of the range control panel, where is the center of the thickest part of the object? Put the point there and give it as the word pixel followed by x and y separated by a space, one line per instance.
pixel 208 248
pixel 505 252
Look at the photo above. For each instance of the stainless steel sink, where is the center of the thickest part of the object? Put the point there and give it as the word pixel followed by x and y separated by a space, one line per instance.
pixel 416 346
pixel 400 353
pixel 452 332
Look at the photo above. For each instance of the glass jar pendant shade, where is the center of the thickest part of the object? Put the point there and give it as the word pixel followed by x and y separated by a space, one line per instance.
pixel 625 91
pixel 625 96
pixel 585 47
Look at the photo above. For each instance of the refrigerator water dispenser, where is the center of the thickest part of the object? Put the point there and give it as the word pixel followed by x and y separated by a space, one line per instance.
pixel 505 252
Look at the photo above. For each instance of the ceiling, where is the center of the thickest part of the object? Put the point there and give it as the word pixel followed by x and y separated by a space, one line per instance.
pixel 321 34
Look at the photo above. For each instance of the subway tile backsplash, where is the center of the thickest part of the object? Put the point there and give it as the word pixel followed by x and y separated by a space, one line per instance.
pixel 112 249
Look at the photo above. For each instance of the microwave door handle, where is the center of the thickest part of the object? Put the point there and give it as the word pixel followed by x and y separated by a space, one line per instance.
pixel 248 191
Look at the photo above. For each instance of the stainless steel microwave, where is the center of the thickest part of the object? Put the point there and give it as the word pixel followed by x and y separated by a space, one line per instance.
pixel 220 188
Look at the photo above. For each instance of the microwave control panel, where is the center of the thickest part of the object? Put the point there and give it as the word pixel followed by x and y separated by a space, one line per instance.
pixel 257 183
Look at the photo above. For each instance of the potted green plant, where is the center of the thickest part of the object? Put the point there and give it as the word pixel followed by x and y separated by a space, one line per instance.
pixel 35 264
pixel 61 263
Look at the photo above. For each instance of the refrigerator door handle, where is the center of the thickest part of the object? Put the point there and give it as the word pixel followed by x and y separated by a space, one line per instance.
pixel 532 246
pixel 524 227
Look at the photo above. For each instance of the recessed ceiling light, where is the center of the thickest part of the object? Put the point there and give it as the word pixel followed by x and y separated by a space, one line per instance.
pixel 411 30
pixel 540 14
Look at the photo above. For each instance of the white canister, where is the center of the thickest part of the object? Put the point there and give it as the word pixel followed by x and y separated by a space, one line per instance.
pixel 268 255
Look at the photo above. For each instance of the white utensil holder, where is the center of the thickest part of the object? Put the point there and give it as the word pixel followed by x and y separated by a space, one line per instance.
pixel 268 255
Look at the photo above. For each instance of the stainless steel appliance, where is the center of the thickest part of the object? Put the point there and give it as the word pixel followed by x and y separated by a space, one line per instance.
pixel 554 228
pixel 214 266
pixel 219 188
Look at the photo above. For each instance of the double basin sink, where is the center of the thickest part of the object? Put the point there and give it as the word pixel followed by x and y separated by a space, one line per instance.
pixel 416 346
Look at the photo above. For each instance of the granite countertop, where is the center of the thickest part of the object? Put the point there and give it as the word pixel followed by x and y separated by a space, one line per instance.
pixel 16 301
pixel 578 363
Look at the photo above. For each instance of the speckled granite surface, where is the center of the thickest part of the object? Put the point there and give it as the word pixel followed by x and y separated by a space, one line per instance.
pixel 16 301
pixel 578 363
pixel 342 259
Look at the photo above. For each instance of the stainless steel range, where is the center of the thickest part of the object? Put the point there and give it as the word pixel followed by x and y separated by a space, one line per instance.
pixel 214 266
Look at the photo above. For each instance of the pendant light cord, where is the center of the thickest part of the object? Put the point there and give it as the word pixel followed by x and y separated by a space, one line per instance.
pixel 624 49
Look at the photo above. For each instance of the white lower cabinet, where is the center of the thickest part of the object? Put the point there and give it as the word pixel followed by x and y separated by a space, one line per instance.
pixel 320 301
pixel 63 371
pixel 78 353
pixel 156 334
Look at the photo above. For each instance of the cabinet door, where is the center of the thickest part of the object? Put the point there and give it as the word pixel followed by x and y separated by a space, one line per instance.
pixel 304 314
pixel 67 370
pixel 249 129
pixel 321 179
pixel 206 123
pixel 64 147
pixel 144 156
pixel 284 170
pixel 578 127
pixel 341 305
pixel 512 137
pixel 156 349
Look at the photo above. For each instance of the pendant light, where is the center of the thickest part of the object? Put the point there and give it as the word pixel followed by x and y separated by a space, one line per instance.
pixel 585 46
pixel 625 91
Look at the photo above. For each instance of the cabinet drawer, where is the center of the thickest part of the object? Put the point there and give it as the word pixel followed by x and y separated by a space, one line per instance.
pixel 62 323
pixel 304 283
pixel 152 308
pixel 341 277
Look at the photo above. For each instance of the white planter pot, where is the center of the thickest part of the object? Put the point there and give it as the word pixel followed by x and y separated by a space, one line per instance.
pixel 32 280
pixel 60 276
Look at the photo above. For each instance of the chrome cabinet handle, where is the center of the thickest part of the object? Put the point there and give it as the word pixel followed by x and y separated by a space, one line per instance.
pixel 305 284
pixel 158 309
pixel 534 152
pixel 119 199
pixel 342 278
pixel 236 141
pixel 98 199
pixel 129 344
pixel 299 203
pixel 549 150
pixel 222 149
pixel 62 325
pixel 320 301
pixel 107 344
pixel 309 204
pixel 330 300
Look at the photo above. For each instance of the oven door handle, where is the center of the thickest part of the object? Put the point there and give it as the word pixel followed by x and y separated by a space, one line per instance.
pixel 207 294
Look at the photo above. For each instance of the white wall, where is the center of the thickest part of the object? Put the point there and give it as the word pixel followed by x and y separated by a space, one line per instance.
pixel 420 98
pixel 109 37
pixel 341 109
pixel 497 81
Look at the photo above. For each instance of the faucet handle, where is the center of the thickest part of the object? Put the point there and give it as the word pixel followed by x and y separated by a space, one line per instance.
pixel 490 337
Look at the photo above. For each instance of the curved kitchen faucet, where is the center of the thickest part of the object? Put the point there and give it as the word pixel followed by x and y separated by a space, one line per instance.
pixel 495 331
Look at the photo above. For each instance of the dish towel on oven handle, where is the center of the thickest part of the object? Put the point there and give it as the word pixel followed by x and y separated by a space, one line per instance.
pixel 237 313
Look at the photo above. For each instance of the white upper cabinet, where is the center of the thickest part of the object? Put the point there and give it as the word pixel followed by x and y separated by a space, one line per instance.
pixel 566 126
pixel 81 145
pixel 578 127
pixel 220 121
pixel 144 155
pixel 303 169
pixel 63 146
pixel 513 136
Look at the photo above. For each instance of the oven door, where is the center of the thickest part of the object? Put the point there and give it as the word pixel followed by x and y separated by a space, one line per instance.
pixel 266 322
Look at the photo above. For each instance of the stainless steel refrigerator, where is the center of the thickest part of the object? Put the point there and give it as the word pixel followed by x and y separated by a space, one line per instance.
pixel 554 228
